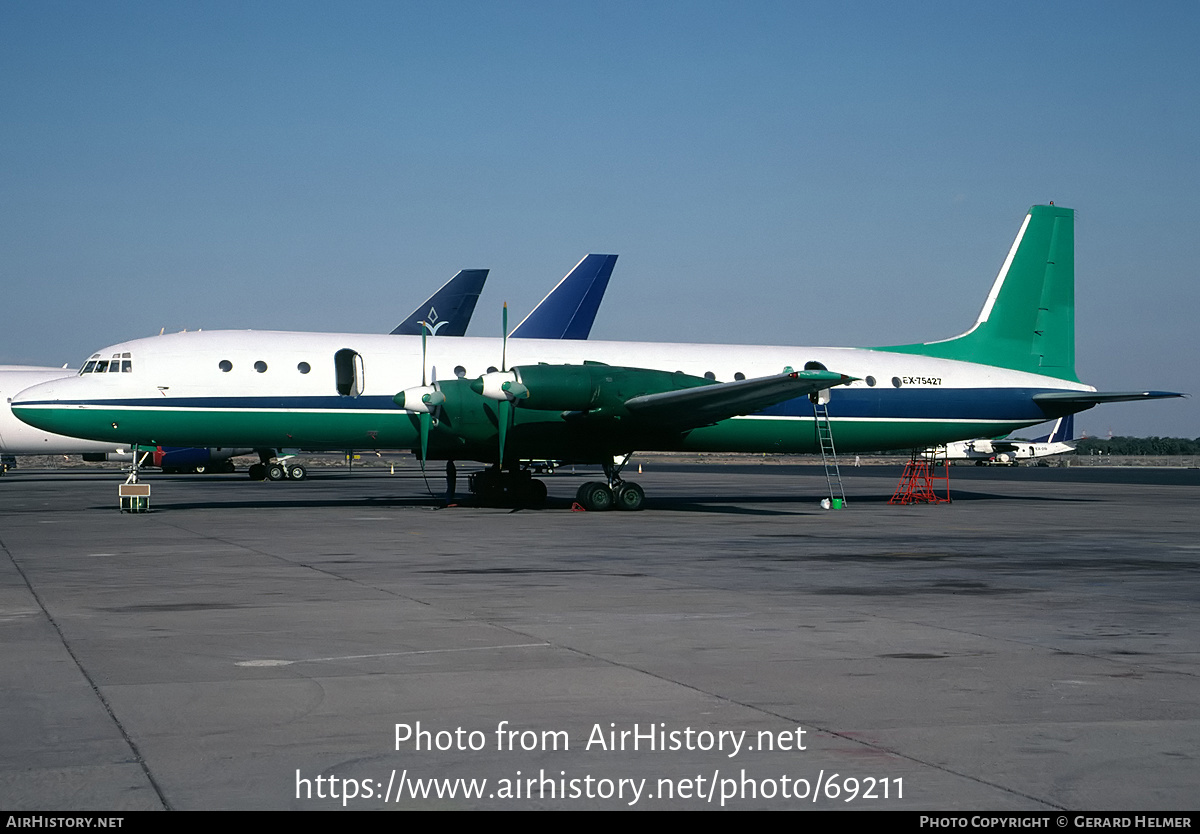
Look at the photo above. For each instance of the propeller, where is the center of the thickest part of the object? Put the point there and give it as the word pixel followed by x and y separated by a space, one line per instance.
pixel 426 400
pixel 502 386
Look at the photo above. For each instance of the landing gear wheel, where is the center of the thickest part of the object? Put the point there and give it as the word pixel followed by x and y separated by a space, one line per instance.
pixel 275 472
pixel 535 493
pixel 596 496
pixel 507 489
pixel 257 472
pixel 630 496
pixel 297 473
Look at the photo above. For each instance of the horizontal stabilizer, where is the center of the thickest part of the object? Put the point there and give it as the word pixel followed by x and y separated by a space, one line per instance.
pixel 448 311
pixel 701 406
pixel 1061 403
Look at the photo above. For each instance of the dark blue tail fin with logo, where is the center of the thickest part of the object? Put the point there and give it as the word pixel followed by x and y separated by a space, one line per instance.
pixel 448 311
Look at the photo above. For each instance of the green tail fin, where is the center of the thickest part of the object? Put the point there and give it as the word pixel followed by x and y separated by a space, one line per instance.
pixel 1028 320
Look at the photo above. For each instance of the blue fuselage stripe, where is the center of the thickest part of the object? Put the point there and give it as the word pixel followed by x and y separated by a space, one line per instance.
pixel 999 404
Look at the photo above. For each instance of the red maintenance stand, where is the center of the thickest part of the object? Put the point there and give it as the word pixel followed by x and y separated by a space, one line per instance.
pixel 919 484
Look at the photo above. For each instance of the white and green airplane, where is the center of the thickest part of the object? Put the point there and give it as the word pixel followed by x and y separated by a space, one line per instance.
pixel 502 401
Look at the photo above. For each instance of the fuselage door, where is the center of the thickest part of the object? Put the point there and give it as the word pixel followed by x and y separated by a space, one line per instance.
pixel 349 367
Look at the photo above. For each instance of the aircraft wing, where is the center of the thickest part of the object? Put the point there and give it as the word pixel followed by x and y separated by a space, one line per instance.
pixel 707 404
pixel 448 311
pixel 569 310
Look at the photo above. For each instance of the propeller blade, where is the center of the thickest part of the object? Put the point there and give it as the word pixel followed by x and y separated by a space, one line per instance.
pixel 424 330
pixel 426 421
pixel 504 339
pixel 504 412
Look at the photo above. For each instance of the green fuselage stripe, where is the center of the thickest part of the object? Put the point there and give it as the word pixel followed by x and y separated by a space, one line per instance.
pixel 549 437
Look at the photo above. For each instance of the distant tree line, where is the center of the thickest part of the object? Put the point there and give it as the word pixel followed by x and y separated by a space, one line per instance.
pixel 1138 446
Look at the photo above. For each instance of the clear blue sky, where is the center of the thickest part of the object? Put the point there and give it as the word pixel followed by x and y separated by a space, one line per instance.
pixel 771 172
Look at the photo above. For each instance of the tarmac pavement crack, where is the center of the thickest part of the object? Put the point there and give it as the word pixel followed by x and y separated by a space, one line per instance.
pixel 104 703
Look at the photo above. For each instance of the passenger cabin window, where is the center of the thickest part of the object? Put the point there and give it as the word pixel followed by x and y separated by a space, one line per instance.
pixel 225 365
pixel 303 367
pixel 348 366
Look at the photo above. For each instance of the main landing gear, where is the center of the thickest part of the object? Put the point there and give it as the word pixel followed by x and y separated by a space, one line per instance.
pixel 514 487
pixel 517 487
pixel 596 496
pixel 278 471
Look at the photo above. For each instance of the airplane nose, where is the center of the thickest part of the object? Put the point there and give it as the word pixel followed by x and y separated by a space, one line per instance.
pixel 28 406
pixel 42 392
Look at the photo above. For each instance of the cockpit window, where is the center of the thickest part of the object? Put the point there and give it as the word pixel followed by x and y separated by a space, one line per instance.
pixel 121 363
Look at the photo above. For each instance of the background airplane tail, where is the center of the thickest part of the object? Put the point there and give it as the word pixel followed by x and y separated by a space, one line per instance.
pixel 1028 320
pixel 569 309
pixel 1064 428
pixel 448 311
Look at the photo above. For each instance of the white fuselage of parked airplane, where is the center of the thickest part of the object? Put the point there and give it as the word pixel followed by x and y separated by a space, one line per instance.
pixel 255 388
pixel 1013 369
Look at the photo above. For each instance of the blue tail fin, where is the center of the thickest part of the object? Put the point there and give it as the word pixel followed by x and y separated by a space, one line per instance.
pixel 448 311
pixel 570 309
pixel 1064 428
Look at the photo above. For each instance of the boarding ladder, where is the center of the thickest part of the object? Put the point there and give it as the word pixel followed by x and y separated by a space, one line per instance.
pixel 833 475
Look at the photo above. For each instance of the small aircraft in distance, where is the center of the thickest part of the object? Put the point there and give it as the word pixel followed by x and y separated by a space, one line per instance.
pixel 1005 452
pixel 593 402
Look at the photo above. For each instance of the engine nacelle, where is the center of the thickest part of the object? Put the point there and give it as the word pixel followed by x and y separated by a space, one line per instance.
pixel 559 387
pixel 500 385
pixel 420 400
